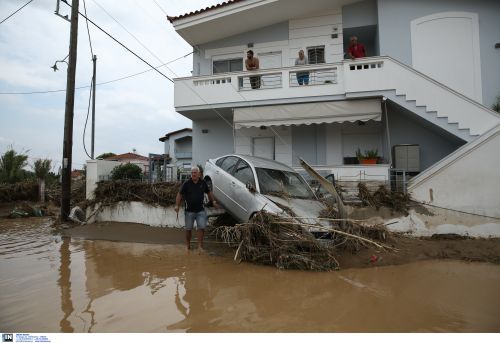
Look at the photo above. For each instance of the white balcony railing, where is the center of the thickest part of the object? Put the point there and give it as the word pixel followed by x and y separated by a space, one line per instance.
pixel 372 74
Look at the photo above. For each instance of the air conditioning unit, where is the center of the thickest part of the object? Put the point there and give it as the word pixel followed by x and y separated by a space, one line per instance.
pixel 406 157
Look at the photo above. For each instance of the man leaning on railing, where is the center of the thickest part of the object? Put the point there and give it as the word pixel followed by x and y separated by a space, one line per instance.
pixel 252 63
pixel 303 76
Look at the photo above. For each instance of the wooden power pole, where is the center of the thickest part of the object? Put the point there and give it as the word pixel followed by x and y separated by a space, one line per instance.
pixel 68 115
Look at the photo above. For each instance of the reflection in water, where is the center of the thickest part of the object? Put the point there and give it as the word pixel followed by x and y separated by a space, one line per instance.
pixel 129 287
pixel 64 284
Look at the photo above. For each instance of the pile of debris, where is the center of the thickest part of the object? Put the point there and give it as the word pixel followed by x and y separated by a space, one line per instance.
pixel 288 244
pixel 396 201
pixel 26 210
pixel 19 191
pixel 109 193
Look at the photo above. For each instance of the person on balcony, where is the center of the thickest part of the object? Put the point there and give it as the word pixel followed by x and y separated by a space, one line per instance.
pixel 252 63
pixel 356 50
pixel 302 76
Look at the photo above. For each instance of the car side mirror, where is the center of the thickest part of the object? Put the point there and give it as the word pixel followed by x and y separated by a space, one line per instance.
pixel 250 187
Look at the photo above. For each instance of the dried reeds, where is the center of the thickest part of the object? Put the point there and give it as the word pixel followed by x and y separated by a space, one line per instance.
pixel 157 194
pixel 396 201
pixel 288 243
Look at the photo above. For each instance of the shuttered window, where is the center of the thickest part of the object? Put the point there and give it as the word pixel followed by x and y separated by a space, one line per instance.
pixel 316 54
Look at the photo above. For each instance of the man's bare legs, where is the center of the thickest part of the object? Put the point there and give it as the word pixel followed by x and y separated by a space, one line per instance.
pixel 201 234
pixel 188 239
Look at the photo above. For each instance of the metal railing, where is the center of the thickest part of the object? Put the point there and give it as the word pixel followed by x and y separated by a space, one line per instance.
pixel 313 77
pixel 260 81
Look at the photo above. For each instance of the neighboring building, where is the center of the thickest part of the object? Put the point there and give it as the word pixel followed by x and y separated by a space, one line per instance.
pixel 130 157
pixel 179 147
pixel 78 174
pixel 423 92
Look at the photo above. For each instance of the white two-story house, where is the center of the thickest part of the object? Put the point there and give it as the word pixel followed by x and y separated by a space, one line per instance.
pixel 421 97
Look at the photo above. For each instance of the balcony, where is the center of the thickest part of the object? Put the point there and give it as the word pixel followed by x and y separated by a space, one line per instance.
pixel 229 89
pixel 366 77
pixel 180 155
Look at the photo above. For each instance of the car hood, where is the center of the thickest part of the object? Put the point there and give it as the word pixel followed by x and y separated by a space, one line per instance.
pixel 303 208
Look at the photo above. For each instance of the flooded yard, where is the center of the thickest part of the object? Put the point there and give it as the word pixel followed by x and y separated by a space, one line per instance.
pixel 51 283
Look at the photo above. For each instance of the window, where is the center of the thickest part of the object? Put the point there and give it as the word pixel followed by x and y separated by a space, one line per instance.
pixel 225 66
pixel 219 161
pixel 244 173
pixel 229 163
pixel 316 54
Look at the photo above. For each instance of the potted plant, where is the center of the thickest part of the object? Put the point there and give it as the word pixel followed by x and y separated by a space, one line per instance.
pixel 369 156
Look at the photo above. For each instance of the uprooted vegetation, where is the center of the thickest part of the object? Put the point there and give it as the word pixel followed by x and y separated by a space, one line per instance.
pixel 109 193
pixel 383 197
pixel 28 190
pixel 287 243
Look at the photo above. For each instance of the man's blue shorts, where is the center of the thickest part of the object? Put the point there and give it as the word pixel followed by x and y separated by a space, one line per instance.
pixel 199 217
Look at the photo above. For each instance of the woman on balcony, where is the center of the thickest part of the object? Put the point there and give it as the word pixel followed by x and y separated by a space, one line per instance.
pixel 303 76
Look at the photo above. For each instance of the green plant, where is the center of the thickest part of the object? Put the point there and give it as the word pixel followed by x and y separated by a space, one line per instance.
pixel 496 105
pixel 126 171
pixel 11 166
pixel 42 168
pixel 368 154
pixel 105 155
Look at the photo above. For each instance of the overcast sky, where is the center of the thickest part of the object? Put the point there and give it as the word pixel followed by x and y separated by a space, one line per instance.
pixel 131 113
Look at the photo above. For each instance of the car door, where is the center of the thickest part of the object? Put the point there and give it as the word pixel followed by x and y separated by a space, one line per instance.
pixel 221 182
pixel 244 201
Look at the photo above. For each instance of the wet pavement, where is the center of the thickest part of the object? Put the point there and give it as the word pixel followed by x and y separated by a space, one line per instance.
pixel 54 284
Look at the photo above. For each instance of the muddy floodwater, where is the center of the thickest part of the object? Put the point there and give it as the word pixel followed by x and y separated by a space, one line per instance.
pixel 54 284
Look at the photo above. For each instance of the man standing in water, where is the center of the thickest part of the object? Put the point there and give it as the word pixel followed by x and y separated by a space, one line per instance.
pixel 193 191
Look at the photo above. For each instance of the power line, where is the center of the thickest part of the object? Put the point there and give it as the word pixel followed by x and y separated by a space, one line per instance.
pixel 161 8
pixel 98 84
pixel 123 45
pixel 88 31
pixel 20 8
pixel 130 33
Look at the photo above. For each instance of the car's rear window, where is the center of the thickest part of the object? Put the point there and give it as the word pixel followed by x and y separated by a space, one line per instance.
pixel 283 184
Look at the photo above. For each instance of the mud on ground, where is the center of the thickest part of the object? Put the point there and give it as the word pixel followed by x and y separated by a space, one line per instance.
pixel 409 249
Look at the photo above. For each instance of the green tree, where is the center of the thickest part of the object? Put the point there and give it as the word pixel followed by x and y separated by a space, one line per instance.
pixel 126 171
pixel 105 155
pixel 42 168
pixel 11 166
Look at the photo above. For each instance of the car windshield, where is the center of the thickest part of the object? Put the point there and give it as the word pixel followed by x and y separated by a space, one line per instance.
pixel 283 184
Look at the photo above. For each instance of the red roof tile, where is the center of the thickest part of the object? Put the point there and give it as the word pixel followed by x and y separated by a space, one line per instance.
pixel 203 10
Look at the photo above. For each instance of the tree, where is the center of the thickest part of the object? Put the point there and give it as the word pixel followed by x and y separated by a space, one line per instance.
pixel 126 171
pixel 105 155
pixel 42 168
pixel 11 166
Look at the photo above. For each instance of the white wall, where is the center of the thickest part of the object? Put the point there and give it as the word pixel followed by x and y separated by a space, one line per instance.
pixel 138 212
pixel 96 168
pixel 468 180
pixel 317 30
pixel 282 141
pixel 216 142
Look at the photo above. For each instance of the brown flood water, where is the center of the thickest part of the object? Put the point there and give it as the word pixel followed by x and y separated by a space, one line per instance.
pixel 54 284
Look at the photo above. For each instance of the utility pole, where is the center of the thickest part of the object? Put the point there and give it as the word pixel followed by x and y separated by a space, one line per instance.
pixel 94 60
pixel 68 114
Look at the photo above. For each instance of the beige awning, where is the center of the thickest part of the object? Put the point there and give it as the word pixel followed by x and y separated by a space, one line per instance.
pixel 310 113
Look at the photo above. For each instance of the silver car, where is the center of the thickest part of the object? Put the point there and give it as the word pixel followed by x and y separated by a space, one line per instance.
pixel 244 185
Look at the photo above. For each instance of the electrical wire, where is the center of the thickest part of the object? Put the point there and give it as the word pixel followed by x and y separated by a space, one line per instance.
pixel 97 84
pixel 130 33
pixel 20 8
pixel 88 31
pixel 120 43
pixel 161 8
pixel 87 119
